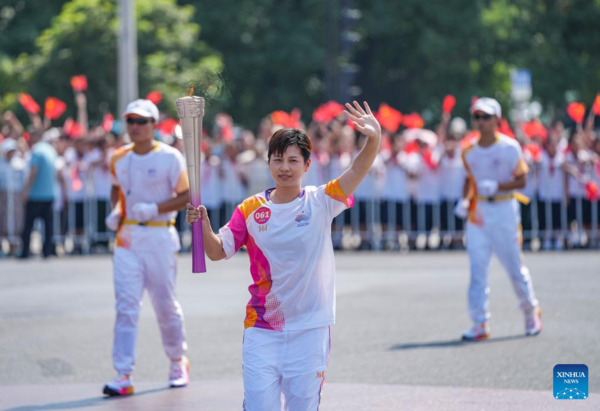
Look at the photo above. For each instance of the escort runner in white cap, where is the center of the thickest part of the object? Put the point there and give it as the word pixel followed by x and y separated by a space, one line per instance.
pixel 149 185
pixel 495 169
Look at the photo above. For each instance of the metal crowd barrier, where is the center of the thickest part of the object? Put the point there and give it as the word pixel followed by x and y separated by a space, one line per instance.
pixel 416 227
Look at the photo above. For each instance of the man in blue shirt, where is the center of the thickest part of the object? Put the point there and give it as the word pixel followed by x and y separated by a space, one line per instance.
pixel 39 192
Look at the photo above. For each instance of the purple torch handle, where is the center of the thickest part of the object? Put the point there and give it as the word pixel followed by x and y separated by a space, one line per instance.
pixel 191 111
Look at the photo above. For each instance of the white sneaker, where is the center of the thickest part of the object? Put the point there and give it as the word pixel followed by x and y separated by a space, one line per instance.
pixel 533 322
pixel 122 385
pixel 479 331
pixel 180 373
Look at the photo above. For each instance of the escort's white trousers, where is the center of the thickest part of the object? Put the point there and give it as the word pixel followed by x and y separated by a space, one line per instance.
pixel 499 234
pixel 291 363
pixel 155 271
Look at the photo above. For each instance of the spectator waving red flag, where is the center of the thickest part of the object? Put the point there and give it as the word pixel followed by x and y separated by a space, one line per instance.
pixel 154 96
pixel 591 189
pixel 281 118
pixel 576 111
pixel 596 107
pixel 29 103
pixel 448 104
pixel 79 83
pixel 54 108
pixel 389 117
pixel 168 126
pixel 504 128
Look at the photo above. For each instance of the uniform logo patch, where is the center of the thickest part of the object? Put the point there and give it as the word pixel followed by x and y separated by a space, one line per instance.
pixel 302 219
pixel 262 215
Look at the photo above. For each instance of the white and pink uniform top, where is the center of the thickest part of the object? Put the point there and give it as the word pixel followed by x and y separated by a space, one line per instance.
pixel 291 256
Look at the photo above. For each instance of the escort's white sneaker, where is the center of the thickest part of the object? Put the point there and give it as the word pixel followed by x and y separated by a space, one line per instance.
pixel 180 373
pixel 479 331
pixel 533 322
pixel 122 385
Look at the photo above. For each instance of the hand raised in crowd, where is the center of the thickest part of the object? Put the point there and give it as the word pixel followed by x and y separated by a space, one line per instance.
pixel 364 120
pixel 193 214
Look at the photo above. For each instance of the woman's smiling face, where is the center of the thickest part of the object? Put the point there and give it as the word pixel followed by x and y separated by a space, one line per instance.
pixel 288 169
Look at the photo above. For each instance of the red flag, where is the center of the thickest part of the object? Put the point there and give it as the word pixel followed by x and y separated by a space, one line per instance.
pixel 591 189
pixel 327 112
pixel 72 128
pixel 504 128
pixel 428 158
pixel 535 128
pixel 54 108
pixel 473 100
pixel 534 150
pixel 576 111
pixel 168 126
pixel 79 83
pixel 596 107
pixel 29 103
pixel 413 120
pixel 281 118
pixel 154 96
pixel 107 122
pixel 389 117
pixel 411 147
pixel 449 103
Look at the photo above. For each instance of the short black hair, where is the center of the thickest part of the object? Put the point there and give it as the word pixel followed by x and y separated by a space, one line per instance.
pixel 286 137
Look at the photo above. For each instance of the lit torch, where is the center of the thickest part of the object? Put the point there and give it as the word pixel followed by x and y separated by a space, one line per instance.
pixel 191 111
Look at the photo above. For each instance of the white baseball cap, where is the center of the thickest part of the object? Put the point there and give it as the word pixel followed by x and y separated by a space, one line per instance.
pixel 142 107
pixel 8 145
pixel 487 105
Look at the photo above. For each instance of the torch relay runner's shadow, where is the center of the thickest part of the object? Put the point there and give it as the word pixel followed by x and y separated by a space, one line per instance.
pixel 452 343
pixel 78 404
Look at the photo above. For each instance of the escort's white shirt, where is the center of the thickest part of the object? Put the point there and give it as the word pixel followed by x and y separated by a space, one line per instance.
pixel 501 162
pixel 154 177
pixel 291 257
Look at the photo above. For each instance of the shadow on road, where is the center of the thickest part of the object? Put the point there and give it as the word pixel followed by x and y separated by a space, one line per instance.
pixel 453 343
pixel 88 402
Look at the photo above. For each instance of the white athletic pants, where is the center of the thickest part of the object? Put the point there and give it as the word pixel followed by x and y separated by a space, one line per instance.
pixel 504 241
pixel 288 363
pixel 154 271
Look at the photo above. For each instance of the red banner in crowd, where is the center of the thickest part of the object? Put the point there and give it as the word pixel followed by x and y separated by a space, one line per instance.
pixel 154 96
pixel 107 122
pixel 535 128
pixel 449 103
pixel 596 107
pixel 389 118
pixel 29 103
pixel 413 120
pixel 72 128
pixel 79 83
pixel 168 126
pixel 54 108
pixel 327 112
pixel 576 111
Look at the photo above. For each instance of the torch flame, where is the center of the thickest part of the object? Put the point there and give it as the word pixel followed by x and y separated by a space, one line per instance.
pixel 190 91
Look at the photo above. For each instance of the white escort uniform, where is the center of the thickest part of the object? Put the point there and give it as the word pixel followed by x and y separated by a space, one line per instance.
pixel 145 255
pixel 494 224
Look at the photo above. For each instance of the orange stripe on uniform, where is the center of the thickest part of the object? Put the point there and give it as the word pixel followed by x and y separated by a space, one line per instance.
pixel 118 155
pixel 250 205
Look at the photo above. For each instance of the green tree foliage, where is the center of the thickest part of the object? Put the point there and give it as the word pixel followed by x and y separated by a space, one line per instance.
pixel 83 40
pixel 273 53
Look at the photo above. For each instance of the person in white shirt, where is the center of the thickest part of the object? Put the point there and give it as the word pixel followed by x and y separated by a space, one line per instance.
pixel 495 168
pixel 396 199
pixel 149 185
pixel 551 193
pixel 13 174
pixel 452 177
pixel 287 231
